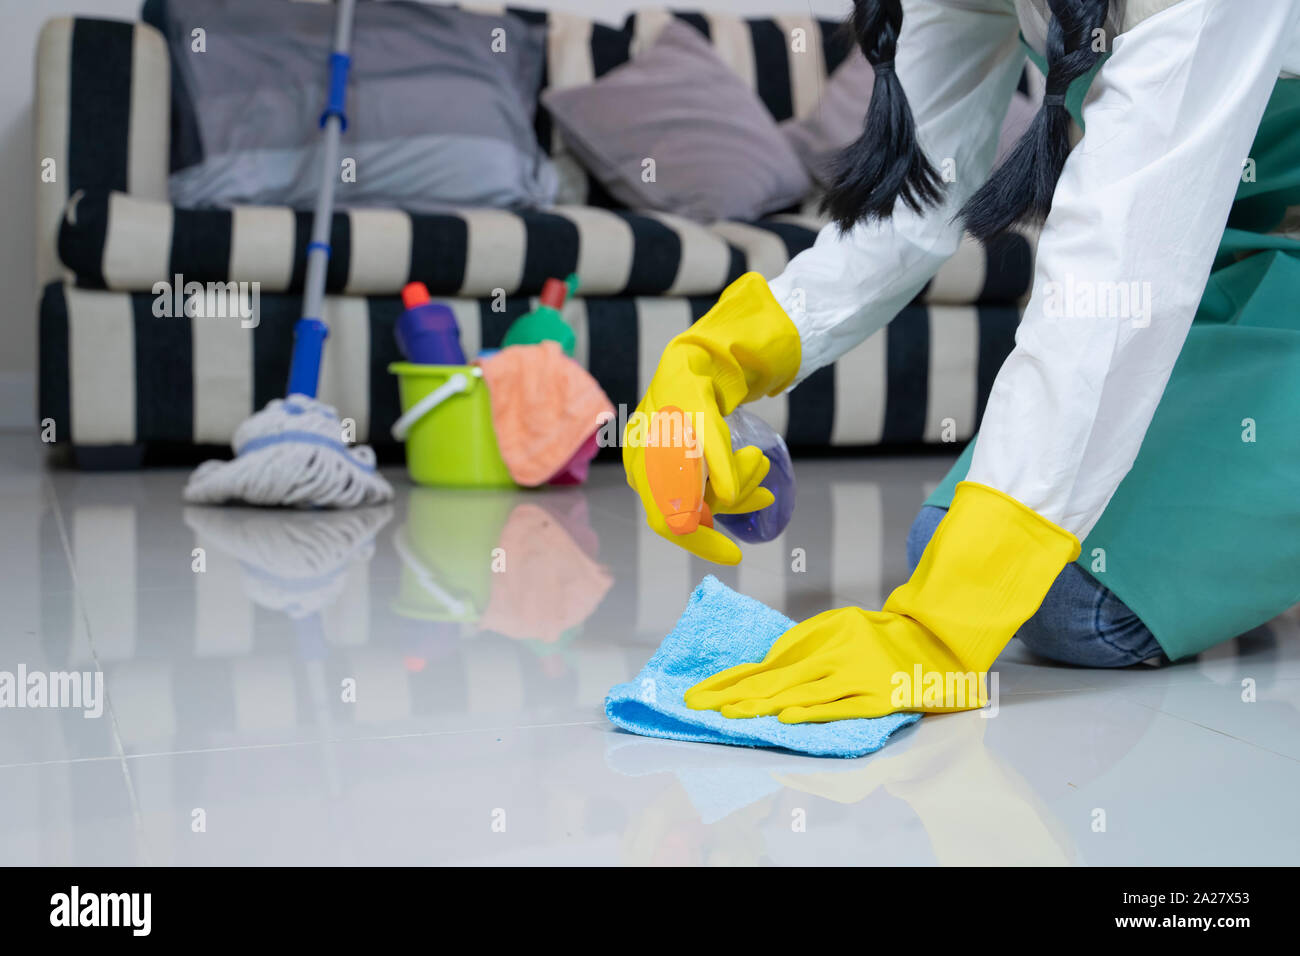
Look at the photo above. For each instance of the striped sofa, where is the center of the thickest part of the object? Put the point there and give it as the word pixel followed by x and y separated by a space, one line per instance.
pixel 123 385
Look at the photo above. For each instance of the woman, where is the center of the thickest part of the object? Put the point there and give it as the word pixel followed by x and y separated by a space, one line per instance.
pixel 1164 449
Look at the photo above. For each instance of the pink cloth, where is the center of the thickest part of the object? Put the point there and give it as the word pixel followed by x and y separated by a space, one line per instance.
pixel 575 470
pixel 546 410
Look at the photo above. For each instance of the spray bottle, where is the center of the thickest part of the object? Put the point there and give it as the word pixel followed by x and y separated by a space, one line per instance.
pixel 677 473
pixel 546 323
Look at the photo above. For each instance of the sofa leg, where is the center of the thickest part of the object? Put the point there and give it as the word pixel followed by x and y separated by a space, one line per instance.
pixel 108 457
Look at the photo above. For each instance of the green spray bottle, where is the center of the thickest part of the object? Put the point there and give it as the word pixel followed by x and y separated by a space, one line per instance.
pixel 545 323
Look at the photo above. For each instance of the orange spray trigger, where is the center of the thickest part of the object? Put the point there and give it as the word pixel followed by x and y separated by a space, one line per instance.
pixel 674 469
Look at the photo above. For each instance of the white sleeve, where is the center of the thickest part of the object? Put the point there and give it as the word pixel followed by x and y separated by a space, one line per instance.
pixel 1126 252
pixel 958 62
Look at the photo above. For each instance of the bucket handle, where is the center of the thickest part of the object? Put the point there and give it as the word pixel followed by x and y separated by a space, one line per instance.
pixel 424 577
pixel 453 386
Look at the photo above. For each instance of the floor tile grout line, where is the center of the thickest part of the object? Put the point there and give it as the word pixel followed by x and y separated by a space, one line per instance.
pixel 1051 692
pixel 114 730
pixel 1213 730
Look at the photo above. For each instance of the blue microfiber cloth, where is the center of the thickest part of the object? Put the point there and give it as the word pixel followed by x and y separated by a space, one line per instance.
pixel 720 629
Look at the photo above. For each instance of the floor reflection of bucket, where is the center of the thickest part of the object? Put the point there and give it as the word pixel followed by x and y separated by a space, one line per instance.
pixel 521 565
pixel 446 546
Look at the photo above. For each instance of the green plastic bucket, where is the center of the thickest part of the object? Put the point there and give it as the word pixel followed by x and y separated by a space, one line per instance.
pixel 452 443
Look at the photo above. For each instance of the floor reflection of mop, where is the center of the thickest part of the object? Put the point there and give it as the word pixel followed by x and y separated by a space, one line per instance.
pixel 297 563
pixel 294 562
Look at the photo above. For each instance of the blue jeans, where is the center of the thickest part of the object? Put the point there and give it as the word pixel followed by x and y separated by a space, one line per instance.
pixel 1080 622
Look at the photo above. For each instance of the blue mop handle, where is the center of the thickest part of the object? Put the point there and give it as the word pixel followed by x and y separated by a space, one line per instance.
pixel 308 346
pixel 309 332
pixel 340 64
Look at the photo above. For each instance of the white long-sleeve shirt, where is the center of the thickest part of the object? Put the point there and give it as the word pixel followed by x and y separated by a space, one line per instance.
pixel 1135 222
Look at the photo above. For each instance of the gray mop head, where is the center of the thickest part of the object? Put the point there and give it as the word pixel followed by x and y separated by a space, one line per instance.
pixel 291 454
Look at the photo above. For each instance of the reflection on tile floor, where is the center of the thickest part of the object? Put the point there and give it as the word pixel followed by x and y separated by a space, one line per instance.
pixel 423 683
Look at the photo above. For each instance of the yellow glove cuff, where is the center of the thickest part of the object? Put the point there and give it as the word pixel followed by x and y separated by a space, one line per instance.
pixel 984 573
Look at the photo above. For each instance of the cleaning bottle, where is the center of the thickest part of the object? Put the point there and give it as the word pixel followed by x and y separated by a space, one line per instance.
pixel 545 323
pixel 677 473
pixel 427 332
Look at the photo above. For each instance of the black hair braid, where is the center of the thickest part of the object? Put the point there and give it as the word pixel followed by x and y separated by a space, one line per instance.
pixel 885 163
pixel 1022 187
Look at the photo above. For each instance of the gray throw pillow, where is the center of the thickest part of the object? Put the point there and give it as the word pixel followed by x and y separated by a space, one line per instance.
pixel 437 116
pixel 677 130
pixel 837 120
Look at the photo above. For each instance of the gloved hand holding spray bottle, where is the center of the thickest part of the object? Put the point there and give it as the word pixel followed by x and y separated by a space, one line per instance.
pixel 678 475
pixel 729 465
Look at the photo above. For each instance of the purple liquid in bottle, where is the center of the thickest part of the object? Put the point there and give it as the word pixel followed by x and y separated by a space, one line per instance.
pixel 766 523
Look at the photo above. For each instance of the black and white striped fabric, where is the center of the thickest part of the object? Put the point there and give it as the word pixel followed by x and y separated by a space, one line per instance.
pixel 117 241
pixel 101 119
pixel 115 373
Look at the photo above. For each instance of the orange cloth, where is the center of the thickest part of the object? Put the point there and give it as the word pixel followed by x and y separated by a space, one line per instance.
pixel 544 406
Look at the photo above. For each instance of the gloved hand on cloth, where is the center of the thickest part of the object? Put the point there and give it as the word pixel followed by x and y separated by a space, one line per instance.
pixel 983 574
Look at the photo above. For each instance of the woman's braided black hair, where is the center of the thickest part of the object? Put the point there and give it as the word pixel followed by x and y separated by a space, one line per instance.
pixel 886 164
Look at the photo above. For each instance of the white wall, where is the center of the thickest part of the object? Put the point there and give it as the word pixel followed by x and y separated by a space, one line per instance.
pixel 21 21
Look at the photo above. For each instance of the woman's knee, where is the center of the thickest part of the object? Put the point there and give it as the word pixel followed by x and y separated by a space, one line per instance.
pixel 1080 622
pixel 923 527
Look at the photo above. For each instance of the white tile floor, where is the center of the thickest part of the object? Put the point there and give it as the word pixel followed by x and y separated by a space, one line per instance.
pixel 479 696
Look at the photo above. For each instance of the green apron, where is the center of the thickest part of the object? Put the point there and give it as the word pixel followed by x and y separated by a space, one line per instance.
pixel 1202 538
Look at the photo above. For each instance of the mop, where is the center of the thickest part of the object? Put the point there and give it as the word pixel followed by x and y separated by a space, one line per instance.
pixel 292 453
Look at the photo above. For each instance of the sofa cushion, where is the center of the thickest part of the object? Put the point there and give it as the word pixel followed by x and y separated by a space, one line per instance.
pixel 785 59
pixel 116 241
pixel 993 273
pixel 822 135
pixel 578 51
pixel 440 105
pixel 100 117
pixel 114 373
pixel 717 154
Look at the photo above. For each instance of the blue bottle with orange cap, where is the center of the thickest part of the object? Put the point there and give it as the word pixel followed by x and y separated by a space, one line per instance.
pixel 427 332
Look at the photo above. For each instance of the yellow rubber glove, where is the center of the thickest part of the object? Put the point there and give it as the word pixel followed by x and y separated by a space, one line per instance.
pixel 983 574
pixel 743 348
